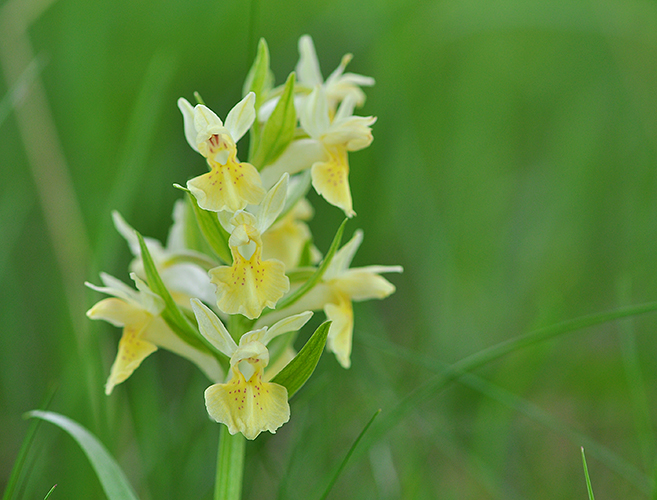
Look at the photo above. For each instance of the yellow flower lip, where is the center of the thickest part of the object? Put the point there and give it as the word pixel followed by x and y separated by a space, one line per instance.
pixel 249 285
pixel 249 407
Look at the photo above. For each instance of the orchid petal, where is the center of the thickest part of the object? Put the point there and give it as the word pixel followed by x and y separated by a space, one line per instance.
pixel 117 312
pixel 116 288
pixel 289 324
pixel 227 187
pixel 188 122
pixel 132 351
pixel 212 328
pixel 363 285
pixel 343 257
pixel 298 156
pixel 241 117
pixel 341 332
pixel 206 122
pixel 249 407
pixel 272 204
pixel 127 231
pixel 331 180
pixel 307 68
pixel 248 286
pixel 314 113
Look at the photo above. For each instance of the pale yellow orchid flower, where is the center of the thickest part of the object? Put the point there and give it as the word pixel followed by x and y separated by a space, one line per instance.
pixel 230 185
pixel 325 152
pixel 144 330
pixel 247 403
pixel 337 86
pixel 251 283
pixel 341 286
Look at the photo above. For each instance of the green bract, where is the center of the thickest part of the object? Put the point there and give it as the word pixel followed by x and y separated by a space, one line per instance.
pixel 279 129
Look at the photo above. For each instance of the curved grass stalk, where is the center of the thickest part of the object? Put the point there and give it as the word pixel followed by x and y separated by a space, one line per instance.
pixel 441 380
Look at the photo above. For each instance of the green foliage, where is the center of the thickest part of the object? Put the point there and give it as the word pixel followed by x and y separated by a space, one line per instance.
pixel 298 371
pixel 179 322
pixel 111 477
pixel 260 78
pixel 278 130
pixel 215 235
pixel 19 466
pixel 50 492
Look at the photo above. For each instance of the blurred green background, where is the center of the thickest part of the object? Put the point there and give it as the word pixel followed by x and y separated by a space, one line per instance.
pixel 512 175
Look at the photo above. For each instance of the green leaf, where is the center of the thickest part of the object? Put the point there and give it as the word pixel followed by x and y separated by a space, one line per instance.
pixel 112 479
pixel 297 371
pixel 279 129
pixel 215 235
pixel 589 488
pixel 192 236
pixel 260 78
pixel 172 314
pixel 301 273
pixel 316 277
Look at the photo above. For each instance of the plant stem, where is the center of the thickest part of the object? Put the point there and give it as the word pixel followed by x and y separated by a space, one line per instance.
pixel 230 466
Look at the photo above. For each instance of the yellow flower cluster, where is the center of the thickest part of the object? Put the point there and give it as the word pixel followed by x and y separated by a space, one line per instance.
pixel 249 261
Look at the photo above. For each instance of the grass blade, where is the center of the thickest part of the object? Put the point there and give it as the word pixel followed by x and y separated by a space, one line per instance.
pixel 17 470
pixel 111 477
pixel 441 380
pixel 50 492
pixel 589 488
pixel 339 470
pixel 16 476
